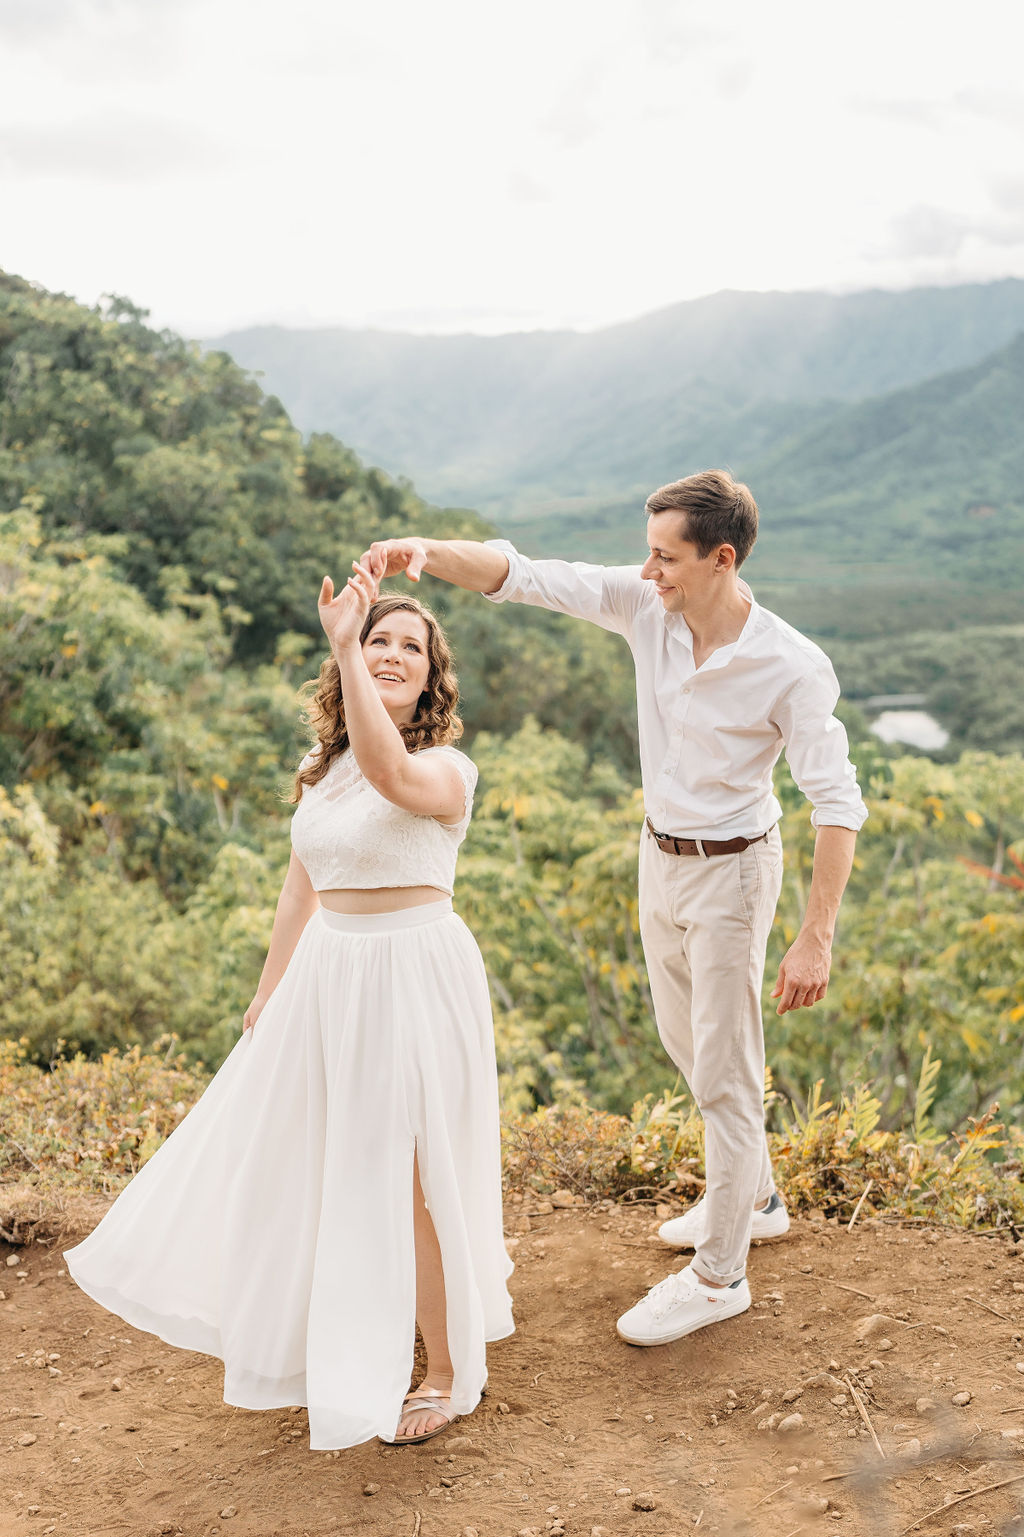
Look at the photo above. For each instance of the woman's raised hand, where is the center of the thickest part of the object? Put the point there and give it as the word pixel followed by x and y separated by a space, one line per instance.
pixel 344 615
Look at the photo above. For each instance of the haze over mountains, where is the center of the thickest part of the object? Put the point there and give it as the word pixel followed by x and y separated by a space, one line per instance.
pixel 880 431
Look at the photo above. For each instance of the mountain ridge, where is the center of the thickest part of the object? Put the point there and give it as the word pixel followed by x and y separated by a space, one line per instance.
pixel 502 422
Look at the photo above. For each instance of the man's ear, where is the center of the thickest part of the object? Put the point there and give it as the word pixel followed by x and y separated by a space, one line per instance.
pixel 725 558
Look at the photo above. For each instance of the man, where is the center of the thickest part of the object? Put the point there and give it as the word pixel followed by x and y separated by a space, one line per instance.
pixel 722 686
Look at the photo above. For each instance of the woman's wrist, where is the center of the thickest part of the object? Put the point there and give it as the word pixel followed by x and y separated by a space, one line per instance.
pixel 346 650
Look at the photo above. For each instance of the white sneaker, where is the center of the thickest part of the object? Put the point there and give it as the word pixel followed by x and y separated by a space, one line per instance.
pixel 679 1305
pixel 690 1230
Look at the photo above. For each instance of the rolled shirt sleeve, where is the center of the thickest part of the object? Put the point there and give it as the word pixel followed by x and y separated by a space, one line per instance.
pixel 608 596
pixel 818 749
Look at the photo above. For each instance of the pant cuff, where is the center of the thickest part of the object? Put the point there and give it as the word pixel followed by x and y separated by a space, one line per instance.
pixel 705 1273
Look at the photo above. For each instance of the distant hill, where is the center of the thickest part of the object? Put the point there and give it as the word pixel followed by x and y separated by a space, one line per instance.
pixel 545 423
pixel 931 475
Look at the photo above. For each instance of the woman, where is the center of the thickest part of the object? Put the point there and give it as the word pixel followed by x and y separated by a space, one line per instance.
pixel 339 1179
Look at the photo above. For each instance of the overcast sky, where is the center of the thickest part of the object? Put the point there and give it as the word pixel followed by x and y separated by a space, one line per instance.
pixel 465 165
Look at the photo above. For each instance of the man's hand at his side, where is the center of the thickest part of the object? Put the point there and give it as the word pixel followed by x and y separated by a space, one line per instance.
pixel 803 975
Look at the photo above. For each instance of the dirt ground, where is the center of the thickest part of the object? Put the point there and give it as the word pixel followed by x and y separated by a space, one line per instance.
pixel 107 1432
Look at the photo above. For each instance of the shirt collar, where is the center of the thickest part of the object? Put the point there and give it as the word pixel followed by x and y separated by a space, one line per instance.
pixel 678 627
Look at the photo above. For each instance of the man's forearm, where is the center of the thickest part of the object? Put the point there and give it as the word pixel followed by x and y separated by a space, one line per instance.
pixel 465 563
pixel 833 861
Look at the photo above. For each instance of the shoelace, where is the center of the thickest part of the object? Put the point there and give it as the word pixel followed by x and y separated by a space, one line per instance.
pixel 670 1293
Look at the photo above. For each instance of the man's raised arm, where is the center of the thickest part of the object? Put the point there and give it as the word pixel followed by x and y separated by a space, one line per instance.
pixel 463 562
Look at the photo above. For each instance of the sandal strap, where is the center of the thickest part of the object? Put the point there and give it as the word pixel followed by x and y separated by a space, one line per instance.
pixel 427 1393
pixel 429 1403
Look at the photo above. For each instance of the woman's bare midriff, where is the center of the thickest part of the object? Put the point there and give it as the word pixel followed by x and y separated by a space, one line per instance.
pixel 380 899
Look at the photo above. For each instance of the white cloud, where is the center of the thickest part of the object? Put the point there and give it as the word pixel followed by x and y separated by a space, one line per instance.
pixel 480 166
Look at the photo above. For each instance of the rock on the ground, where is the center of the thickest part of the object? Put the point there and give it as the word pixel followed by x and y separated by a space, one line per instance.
pixel 961 1399
pixel 645 1502
pixel 875 1326
pixel 790 1423
pixel 791 1395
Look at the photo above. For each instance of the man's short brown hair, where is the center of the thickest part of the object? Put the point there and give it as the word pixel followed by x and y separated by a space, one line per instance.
pixel 718 510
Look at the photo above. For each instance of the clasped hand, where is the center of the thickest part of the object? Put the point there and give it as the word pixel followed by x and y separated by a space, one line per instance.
pixel 344 615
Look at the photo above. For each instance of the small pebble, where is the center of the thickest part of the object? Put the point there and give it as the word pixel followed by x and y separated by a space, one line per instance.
pixel 28 1439
pixel 623 1491
pixel 228 1512
pixel 961 1399
pixel 911 1448
pixel 790 1423
pixel 375 1488
pixel 504 1409
pixel 884 1345
pixel 117 1385
pixel 1020 1366
pixel 791 1395
pixel 644 1502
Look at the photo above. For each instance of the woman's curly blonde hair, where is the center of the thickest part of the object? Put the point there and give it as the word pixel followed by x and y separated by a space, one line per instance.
pixel 435 723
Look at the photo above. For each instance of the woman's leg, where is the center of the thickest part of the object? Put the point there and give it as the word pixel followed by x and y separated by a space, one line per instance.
pixel 431 1312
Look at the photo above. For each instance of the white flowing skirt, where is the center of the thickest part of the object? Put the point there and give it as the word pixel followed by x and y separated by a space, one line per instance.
pixel 274 1226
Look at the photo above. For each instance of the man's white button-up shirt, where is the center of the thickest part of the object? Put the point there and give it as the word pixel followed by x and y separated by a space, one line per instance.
pixel 710 735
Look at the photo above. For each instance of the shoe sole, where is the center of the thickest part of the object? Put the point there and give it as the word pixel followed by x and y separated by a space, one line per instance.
pixel 688 1243
pixel 668 1339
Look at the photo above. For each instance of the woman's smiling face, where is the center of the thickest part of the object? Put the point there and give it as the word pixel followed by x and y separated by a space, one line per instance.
pixel 395 652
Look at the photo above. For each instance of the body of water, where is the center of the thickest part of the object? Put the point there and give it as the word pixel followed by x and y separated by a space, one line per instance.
pixel 914 727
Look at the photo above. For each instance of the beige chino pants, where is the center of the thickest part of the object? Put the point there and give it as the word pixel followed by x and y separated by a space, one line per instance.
pixel 704 923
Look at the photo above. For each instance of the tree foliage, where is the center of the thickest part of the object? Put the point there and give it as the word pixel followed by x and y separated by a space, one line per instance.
pixel 163 530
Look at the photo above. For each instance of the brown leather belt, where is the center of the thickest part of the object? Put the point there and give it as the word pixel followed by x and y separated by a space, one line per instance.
pixel 701 846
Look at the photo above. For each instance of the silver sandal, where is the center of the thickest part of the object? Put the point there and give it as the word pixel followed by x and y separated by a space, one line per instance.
pixel 429 1399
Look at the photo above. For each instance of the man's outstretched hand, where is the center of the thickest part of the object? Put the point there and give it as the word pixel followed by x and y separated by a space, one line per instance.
pixel 387 557
pixel 803 975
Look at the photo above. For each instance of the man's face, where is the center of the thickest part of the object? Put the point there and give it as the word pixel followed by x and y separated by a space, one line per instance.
pixel 680 575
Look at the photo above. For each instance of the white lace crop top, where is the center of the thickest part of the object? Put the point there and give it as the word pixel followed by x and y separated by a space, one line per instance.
pixel 349 835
